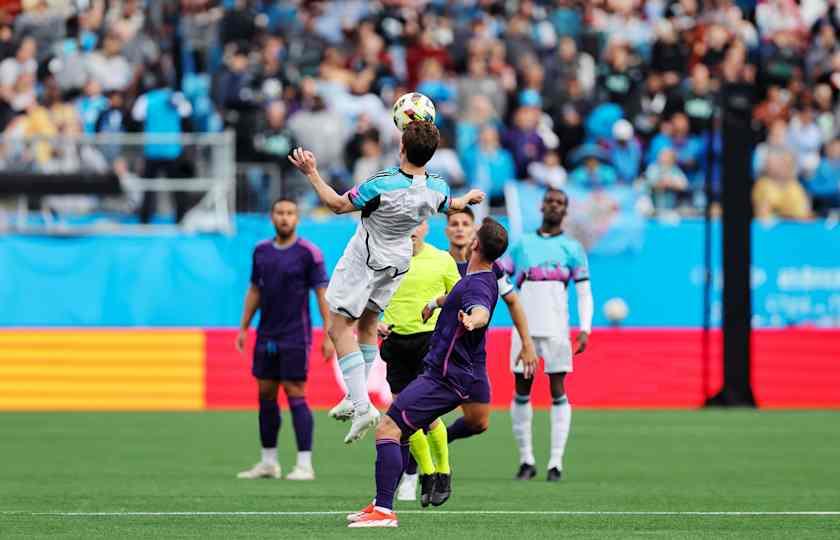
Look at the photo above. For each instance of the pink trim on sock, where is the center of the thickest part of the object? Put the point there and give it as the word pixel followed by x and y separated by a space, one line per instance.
pixel 386 441
pixel 409 424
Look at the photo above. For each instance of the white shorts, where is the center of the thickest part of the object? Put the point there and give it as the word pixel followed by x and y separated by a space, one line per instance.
pixel 556 352
pixel 355 287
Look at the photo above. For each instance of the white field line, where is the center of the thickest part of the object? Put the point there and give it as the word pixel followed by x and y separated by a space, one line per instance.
pixel 439 512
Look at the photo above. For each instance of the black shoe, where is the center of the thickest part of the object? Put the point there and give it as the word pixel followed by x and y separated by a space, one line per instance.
pixel 554 475
pixel 427 487
pixel 443 489
pixel 526 472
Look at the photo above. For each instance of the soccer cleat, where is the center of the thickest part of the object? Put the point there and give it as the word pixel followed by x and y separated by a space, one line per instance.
pixel 343 411
pixel 301 473
pixel 427 486
pixel 442 490
pixel 261 470
pixel 554 474
pixel 356 516
pixel 362 424
pixel 526 472
pixel 408 488
pixel 376 518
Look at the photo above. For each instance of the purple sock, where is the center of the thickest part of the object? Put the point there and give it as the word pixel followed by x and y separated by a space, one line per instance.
pixel 389 467
pixel 405 450
pixel 269 422
pixel 411 467
pixel 459 430
pixel 302 420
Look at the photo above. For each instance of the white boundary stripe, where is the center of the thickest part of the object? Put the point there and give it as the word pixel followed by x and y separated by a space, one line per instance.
pixel 439 512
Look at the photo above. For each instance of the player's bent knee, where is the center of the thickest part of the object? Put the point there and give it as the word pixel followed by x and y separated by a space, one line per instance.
pixel 294 389
pixel 388 429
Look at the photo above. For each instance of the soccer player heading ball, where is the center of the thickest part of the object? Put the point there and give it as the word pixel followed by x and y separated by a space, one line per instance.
pixel 393 203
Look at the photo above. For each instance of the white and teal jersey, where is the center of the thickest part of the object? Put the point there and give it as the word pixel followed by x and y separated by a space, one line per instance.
pixel 393 204
pixel 543 266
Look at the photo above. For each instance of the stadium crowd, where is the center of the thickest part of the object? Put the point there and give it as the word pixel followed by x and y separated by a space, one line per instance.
pixel 557 92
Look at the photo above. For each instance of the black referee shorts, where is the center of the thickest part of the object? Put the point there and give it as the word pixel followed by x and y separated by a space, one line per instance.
pixel 404 357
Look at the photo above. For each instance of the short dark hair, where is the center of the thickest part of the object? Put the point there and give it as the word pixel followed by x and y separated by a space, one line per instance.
pixel 465 210
pixel 420 140
pixel 556 190
pixel 279 200
pixel 492 239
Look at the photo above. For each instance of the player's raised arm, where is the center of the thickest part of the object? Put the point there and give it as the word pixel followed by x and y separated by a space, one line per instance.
pixel 252 303
pixel 305 162
pixel 473 196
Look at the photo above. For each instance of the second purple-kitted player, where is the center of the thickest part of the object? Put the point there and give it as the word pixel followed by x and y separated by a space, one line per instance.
pixel 457 347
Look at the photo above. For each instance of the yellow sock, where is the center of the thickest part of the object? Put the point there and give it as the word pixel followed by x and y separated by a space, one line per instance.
pixel 419 447
pixel 440 447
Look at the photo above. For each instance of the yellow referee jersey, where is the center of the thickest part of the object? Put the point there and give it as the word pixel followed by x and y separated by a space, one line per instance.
pixel 432 273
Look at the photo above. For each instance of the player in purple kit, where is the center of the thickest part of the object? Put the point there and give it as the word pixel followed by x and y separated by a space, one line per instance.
pixel 457 349
pixel 284 270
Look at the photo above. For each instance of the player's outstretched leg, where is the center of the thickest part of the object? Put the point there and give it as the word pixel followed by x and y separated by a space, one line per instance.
pixel 522 415
pixel 365 415
pixel 269 421
pixel 390 455
pixel 561 420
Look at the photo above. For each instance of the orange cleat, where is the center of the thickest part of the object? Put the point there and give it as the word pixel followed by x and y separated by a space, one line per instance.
pixel 377 518
pixel 356 516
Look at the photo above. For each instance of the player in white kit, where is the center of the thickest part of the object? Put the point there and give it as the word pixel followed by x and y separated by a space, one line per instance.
pixel 393 203
pixel 544 263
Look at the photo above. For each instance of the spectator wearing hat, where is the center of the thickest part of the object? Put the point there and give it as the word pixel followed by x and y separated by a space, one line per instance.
pixel 625 151
pixel 592 174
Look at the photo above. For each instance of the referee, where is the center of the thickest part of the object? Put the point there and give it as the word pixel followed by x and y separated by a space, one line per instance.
pixel 432 273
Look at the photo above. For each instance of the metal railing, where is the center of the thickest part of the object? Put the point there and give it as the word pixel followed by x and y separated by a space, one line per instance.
pixel 185 166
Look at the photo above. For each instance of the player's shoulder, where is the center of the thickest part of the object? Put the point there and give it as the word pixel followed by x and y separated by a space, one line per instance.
pixel 436 182
pixel 387 172
pixel 263 245
pixel 310 248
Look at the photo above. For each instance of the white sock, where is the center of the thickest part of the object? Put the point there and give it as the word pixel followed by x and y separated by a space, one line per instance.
pixel 269 456
pixel 353 371
pixel 561 421
pixel 369 353
pixel 304 459
pixel 521 413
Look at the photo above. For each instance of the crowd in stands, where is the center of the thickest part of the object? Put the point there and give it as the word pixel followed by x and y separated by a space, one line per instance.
pixel 590 94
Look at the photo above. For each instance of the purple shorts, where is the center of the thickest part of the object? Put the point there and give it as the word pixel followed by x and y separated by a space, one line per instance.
pixel 422 402
pixel 271 361
pixel 480 389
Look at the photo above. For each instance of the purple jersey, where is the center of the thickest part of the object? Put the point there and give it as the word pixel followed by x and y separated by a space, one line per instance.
pixel 454 352
pixel 505 286
pixel 284 276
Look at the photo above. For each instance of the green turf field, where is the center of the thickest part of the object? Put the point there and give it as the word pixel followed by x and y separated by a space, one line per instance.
pixel 617 461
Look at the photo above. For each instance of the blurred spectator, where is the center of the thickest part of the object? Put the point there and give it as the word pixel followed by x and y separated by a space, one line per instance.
pixel 593 173
pixel 776 106
pixel 523 140
pixel 21 66
pixel 548 172
pixel 428 46
pixel 776 143
pixel 321 130
pixel 272 143
pixel 446 163
pixel 824 186
pixel 45 24
pixel 478 82
pixel 652 106
pixel 782 59
pixel 372 160
pixel 823 47
pixel 804 135
pixel 562 68
pixel 91 105
pixel 690 149
pixel 824 112
pixel 113 120
pixel 109 67
pixel 666 182
pixel 161 111
pixel 488 166
pixel 568 118
pixel 619 80
pixel 700 100
pixel 480 112
pixel 626 151
pixel 669 56
pixel 778 193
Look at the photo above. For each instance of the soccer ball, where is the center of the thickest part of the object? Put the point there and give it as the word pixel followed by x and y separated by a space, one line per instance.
pixel 616 310
pixel 413 106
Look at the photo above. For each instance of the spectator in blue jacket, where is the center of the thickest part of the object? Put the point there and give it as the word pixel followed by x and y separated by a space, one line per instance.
pixel 824 186
pixel 625 151
pixel 161 111
pixel 593 174
pixel 488 166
